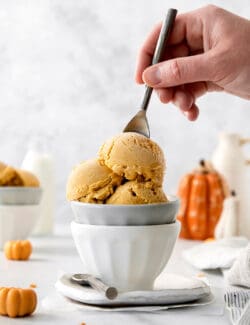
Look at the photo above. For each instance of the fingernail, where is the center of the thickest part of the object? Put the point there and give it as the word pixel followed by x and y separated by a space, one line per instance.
pixel 152 76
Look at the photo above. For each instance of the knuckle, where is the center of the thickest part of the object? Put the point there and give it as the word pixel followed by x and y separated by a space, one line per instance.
pixel 213 10
pixel 175 70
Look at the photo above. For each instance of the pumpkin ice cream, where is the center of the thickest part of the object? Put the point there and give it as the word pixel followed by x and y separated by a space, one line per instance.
pixel 91 182
pixel 28 179
pixel 129 170
pixel 134 192
pixel 10 176
pixel 134 157
pixel 2 166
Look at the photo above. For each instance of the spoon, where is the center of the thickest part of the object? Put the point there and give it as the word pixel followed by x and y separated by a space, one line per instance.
pixel 87 279
pixel 139 122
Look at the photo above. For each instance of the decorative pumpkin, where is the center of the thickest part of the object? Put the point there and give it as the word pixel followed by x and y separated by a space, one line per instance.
pixel 202 193
pixel 18 249
pixel 17 302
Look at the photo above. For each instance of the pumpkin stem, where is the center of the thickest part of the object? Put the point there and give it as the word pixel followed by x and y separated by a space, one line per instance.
pixel 233 193
pixel 202 163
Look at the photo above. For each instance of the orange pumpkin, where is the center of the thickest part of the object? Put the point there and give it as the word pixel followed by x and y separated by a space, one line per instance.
pixel 202 193
pixel 18 249
pixel 17 302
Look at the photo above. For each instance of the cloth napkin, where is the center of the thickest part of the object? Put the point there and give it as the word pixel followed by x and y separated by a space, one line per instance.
pixel 239 273
pixel 216 254
pixel 233 256
pixel 238 305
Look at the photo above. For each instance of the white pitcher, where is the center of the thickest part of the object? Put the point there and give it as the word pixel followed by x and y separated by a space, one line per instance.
pixel 229 159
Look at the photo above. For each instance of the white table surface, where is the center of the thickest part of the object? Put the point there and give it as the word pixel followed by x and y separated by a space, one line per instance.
pixel 54 254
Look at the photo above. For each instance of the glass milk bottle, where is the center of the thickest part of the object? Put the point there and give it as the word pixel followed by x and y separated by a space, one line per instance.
pixel 229 159
pixel 40 162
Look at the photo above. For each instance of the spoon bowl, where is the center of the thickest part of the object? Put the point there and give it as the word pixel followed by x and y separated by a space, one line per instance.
pixel 139 124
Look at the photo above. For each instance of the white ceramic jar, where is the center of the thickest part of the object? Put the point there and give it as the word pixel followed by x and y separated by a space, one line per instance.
pixel 229 159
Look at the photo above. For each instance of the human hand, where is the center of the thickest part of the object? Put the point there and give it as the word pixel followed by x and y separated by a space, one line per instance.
pixel 208 50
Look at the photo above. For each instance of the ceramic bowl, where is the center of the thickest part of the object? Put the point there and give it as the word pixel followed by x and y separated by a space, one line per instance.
pixel 127 257
pixel 17 221
pixel 15 195
pixel 125 215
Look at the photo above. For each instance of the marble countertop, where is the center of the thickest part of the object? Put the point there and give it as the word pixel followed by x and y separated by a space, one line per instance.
pixel 56 254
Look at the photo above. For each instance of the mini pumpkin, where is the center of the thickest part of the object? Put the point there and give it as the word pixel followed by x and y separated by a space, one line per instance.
pixel 202 193
pixel 18 249
pixel 17 302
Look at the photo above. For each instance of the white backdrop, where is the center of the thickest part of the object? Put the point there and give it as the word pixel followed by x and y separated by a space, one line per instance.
pixel 67 74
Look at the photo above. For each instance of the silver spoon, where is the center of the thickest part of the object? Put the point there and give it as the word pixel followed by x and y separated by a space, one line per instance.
pixel 87 279
pixel 139 122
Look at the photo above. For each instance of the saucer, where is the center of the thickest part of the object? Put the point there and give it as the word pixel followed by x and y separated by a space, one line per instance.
pixel 177 290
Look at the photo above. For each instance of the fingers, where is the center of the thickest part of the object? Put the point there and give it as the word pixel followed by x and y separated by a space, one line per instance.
pixel 180 50
pixel 184 97
pixel 146 53
pixel 165 94
pixel 179 71
pixel 187 28
pixel 193 113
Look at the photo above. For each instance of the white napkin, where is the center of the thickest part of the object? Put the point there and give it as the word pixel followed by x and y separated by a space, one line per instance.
pixel 238 305
pixel 245 316
pixel 216 254
pixel 239 273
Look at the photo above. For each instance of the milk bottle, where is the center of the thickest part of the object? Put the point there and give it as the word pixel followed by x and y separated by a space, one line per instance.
pixel 40 162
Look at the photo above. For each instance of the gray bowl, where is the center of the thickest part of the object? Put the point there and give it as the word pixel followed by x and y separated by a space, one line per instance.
pixel 15 195
pixel 126 215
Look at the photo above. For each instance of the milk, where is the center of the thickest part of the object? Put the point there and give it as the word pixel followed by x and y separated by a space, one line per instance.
pixel 40 162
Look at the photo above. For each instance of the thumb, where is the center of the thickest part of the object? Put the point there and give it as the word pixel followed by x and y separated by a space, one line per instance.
pixel 179 71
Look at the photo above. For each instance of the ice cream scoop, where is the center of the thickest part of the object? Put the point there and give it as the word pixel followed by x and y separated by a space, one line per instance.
pixel 134 157
pixel 91 182
pixel 134 192
pixel 10 176
pixel 139 122
pixel 2 166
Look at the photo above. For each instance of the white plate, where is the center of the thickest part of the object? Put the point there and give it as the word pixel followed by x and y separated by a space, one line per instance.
pixel 208 299
pixel 176 290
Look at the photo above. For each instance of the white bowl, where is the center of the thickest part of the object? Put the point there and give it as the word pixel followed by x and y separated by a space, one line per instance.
pixel 17 221
pixel 126 215
pixel 129 257
pixel 17 195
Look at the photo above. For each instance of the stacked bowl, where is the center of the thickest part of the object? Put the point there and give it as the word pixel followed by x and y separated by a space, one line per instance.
pixel 124 226
pixel 127 246
pixel 20 195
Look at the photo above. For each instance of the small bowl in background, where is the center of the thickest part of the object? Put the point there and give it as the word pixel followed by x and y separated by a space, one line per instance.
pixel 17 221
pixel 126 215
pixel 15 195
pixel 126 257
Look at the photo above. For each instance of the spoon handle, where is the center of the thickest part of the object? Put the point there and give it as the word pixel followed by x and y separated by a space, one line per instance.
pixel 159 50
pixel 110 292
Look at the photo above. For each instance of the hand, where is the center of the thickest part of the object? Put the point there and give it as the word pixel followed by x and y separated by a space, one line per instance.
pixel 208 50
